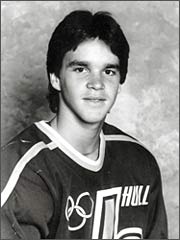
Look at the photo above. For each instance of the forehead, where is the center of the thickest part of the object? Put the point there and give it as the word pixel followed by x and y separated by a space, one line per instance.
pixel 94 51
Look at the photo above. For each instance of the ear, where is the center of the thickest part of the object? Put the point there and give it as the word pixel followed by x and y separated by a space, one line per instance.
pixel 55 82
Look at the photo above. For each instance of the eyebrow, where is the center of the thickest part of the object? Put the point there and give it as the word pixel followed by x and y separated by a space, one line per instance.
pixel 115 66
pixel 77 63
pixel 86 64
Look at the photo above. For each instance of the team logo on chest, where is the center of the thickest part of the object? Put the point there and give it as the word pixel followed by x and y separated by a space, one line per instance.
pixel 106 222
pixel 77 212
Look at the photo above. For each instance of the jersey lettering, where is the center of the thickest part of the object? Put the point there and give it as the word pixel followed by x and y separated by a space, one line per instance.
pixel 134 196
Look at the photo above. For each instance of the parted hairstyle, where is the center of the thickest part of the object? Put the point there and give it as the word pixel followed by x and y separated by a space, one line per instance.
pixel 75 28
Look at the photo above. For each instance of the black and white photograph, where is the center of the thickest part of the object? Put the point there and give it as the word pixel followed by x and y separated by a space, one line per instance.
pixel 89 120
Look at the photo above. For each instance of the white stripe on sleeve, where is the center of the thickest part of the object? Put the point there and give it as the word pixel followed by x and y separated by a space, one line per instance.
pixel 14 177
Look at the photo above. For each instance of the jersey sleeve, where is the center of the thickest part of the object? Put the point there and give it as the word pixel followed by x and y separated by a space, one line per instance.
pixel 157 227
pixel 28 208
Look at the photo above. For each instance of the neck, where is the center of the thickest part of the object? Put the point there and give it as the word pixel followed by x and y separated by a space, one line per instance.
pixel 82 136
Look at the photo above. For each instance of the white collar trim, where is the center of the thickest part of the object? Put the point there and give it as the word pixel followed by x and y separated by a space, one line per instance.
pixel 70 151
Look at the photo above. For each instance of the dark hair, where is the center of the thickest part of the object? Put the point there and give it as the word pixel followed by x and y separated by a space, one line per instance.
pixel 76 28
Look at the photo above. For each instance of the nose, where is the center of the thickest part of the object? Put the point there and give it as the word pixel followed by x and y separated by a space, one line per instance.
pixel 95 82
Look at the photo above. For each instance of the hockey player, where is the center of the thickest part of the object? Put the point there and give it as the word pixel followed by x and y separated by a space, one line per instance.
pixel 77 176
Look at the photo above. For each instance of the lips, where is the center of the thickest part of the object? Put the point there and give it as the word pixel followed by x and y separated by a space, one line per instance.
pixel 95 101
pixel 94 98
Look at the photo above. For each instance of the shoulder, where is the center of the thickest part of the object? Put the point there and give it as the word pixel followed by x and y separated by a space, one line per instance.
pixel 21 157
pixel 135 152
pixel 29 138
pixel 114 134
pixel 109 129
pixel 20 150
pixel 29 135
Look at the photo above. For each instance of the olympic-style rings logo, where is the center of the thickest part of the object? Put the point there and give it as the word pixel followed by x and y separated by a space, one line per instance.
pixel 71 206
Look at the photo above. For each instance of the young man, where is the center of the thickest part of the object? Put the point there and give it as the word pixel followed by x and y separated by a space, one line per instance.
pixel 77 176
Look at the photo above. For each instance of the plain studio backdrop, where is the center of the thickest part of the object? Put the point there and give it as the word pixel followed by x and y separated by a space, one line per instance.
pixel 147 106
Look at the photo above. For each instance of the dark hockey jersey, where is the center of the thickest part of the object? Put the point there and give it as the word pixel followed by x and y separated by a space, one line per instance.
pixel 50 190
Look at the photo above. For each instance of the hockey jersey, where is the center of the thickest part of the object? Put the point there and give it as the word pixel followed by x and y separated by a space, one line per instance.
pixel 50 190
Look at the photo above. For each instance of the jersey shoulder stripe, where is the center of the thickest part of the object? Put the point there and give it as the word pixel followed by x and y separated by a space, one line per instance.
pixel 26 158
pixel 119 137
pixel 112 133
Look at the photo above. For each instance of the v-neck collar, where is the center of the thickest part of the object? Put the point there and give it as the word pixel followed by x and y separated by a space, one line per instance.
pixel 70 151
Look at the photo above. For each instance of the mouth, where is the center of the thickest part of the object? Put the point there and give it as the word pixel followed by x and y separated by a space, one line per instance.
pixel 95 99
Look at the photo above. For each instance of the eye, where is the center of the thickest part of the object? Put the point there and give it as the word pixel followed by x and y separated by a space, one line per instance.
pixel 110 72
pixel 80 69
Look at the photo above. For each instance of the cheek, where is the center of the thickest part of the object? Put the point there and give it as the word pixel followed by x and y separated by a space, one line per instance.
pixel 70 91
pixel 113 87
pixel 67 85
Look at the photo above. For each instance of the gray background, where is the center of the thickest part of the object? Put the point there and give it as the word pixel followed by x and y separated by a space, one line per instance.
pixel 147 106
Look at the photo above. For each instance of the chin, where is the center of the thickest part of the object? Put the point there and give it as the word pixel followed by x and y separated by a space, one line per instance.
pixel 93 119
